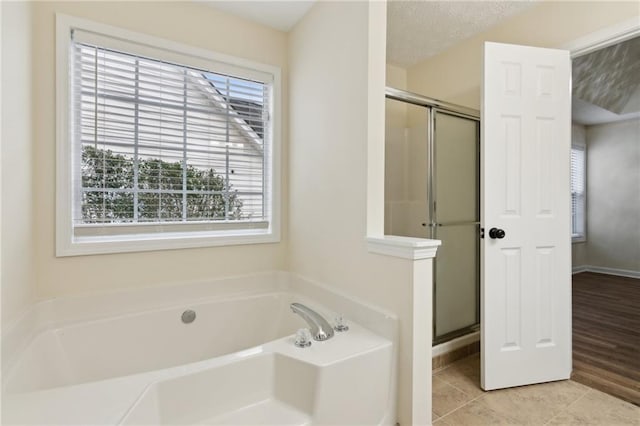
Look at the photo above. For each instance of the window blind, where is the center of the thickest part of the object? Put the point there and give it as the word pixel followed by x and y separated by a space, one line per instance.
pixel 159 143
pixel 578 179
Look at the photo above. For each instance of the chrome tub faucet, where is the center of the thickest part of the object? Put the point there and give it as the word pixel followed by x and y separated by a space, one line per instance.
pixel 319 327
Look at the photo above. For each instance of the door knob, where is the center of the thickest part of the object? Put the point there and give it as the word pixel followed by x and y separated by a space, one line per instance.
pixel 496 233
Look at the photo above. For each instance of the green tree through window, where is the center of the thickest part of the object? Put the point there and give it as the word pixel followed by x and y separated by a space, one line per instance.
pixel 110 193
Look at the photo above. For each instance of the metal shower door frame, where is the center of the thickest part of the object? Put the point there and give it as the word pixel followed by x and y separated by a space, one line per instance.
pixel 432 108
pixel 434 224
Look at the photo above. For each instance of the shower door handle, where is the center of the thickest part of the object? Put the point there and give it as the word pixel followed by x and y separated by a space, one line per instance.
pixel 437 225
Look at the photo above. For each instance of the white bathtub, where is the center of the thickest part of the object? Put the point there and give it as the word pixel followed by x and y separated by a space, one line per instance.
pixel 127 358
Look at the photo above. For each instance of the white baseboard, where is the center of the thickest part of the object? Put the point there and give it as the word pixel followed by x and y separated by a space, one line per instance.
pixel 454 344
pixel 578 269
pixel 610 271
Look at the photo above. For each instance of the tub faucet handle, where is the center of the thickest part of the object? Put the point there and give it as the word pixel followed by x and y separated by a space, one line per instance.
pixel 303 338
pixel 320 327
pixel 340 324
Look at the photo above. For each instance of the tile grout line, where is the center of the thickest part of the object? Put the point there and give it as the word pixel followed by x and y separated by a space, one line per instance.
pixel 454 386
pixel 446 367
pixel 568 406
pixel 463 405
pixel 486 392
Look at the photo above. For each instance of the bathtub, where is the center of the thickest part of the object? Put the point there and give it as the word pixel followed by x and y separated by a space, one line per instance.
pixel 129 358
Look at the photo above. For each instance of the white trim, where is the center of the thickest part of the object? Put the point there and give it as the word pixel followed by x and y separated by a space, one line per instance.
pixel 604 37
pixel 64 192
pixel 158 43
pixel 609 271
pixel 1 194
pixel 69 245
pixel 168 241
pixel 578 269
pixel 403 247
pixel 452 345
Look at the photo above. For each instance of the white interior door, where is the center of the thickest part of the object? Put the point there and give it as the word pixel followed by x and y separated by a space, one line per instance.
pixel 526 273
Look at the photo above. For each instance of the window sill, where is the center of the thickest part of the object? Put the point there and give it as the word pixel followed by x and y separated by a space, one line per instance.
pixel 82 246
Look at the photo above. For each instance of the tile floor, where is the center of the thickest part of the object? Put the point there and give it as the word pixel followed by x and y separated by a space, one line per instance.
pixel 458 400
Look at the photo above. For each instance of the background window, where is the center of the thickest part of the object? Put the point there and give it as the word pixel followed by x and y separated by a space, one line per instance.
pixel 162 146
pixel 578 193
pixel 166 143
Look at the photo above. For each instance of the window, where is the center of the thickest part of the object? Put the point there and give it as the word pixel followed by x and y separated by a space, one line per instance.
pixel 578 193
pixel 162 148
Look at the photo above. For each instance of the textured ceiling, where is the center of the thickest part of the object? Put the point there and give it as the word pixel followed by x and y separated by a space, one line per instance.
pixel 589 114
pixel 417 30
pixel 608 77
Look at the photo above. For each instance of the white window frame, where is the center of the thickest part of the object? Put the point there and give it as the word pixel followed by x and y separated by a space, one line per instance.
pixel 581 237
pixel 70 244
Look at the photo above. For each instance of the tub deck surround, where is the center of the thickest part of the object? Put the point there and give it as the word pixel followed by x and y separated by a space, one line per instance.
pixel 379 321
pixel 331 382
pixel 271 376
pixel 144 366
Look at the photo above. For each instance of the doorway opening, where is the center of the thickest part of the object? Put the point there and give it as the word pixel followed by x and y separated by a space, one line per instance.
pixel 606 219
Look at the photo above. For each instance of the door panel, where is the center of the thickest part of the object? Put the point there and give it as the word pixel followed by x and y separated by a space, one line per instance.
pixel 526 275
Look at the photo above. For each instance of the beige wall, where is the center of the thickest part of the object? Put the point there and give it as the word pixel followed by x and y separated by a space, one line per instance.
pixel 454 75
pixel 613 195
pixel 330 146
pixel 18 203
pixel 578 249
pixel 186 22
pixel 579 255
pixel 396 77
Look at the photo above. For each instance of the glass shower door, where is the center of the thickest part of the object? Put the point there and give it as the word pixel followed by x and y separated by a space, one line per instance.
pixel 454 219
pixel 406 169
pixel 432 191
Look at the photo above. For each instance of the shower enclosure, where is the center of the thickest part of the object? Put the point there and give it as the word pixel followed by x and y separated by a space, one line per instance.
pixel 432 190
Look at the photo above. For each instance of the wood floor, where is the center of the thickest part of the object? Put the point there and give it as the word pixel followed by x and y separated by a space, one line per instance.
pixel 606 334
